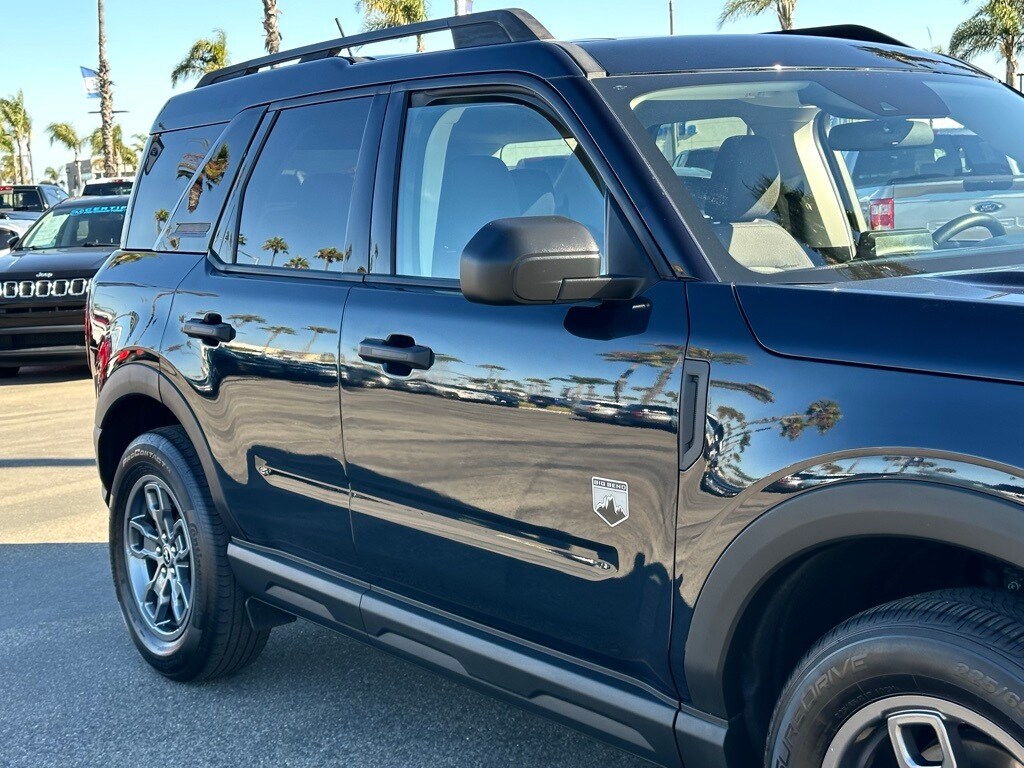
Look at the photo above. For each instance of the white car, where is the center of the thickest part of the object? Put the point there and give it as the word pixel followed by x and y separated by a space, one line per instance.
pixel 11 229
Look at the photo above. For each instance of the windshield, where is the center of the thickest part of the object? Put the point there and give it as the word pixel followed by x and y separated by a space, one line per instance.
pixel 83 226
pixel 817 176
pixel 20 200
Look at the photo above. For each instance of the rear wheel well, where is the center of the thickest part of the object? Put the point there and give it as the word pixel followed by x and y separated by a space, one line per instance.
pixel 128 418
pixel 820 590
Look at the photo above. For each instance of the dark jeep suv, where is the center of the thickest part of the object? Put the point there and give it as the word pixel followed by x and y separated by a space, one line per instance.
pixel 578 372
pixel 45 278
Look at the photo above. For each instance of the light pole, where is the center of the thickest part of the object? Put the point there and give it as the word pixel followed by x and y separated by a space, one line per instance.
pixel 671 17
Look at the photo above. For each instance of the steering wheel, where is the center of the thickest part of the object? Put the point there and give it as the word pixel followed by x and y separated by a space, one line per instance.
pixel 960 224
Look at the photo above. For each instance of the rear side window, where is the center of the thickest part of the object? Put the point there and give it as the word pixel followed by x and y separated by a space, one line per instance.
pixel 21 200
pixel 171 160
pixel 296 204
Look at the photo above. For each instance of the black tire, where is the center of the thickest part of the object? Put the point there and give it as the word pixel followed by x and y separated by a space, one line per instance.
pixel 216 638
pixel 964 646
pixel 9 373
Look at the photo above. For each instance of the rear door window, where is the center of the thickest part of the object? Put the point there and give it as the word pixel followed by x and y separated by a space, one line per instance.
pixel 171 159
pixel 296 204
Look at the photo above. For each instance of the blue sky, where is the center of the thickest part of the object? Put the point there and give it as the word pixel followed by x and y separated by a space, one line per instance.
pixel 47 40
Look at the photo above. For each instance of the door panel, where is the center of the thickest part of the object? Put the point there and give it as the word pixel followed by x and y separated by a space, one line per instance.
pixel 255 331
pixel 268 403
pixel 475 482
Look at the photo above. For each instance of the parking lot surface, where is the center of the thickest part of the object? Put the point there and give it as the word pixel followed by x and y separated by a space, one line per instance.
pixel 76 693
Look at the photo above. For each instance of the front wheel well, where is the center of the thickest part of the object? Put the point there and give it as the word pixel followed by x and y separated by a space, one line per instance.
pixel 128 418
pixel 824 588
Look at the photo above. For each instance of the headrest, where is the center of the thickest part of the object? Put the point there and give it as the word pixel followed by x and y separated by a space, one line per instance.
pixel 745 184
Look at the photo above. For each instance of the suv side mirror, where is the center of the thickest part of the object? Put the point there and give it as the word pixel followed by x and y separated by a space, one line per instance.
pixel 538 260
pixel 12 241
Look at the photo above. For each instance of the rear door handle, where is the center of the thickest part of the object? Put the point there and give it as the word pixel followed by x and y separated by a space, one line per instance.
pixel 386 352
pixel 210 328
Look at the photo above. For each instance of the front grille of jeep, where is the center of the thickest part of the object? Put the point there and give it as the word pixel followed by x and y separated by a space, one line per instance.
pixel 44 289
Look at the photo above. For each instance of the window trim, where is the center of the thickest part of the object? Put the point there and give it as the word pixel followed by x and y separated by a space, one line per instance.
pixel 475 89
pixel 231 212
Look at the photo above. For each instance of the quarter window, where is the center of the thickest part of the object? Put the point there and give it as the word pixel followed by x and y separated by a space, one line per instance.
pixel 171 160
pixel 296 205
pixel 465 165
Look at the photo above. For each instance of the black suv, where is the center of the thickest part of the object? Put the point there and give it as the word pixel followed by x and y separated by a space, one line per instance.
pixel 45 278
pixel 578 372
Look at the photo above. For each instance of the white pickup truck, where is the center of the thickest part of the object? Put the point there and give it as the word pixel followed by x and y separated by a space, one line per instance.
pixel 913 187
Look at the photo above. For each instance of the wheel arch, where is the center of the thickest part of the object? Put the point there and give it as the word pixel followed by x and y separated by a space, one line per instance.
pixel 942 514
pixel 135 399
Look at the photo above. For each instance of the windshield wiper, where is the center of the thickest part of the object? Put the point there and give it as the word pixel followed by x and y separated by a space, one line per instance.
pixel 93 244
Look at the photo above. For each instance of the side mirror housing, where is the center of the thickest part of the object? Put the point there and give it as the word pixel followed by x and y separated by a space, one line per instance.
pixel 11 242
pixel 538 260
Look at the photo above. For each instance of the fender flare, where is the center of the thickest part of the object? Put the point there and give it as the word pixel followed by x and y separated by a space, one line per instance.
pixel 919 509
pixel 142 379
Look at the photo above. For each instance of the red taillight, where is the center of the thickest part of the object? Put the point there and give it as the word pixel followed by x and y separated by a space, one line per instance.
pixel 882 213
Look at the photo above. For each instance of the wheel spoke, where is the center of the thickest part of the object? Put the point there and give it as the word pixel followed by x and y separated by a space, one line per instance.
pixel 140 550
pixel 179 540
pixel 179 600
pixel 906 727
pixel 158 505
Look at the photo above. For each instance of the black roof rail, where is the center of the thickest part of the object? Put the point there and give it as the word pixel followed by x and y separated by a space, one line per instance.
pixel 511 25
pixel 854 32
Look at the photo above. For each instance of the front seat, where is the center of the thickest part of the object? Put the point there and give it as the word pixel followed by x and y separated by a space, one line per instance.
pixel 743 191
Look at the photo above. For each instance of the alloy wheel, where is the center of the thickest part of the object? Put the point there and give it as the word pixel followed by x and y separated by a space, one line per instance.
pixel 921 732
pixel 158 557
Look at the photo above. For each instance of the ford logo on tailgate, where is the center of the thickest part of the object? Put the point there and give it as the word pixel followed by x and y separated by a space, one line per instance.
pixel 988 206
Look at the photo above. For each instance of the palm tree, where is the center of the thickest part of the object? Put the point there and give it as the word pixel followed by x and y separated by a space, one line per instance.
pixel 317 330
pixel 7 159
pixel 737 9
pixel 381 14
pixel 65 135
pixel 51 175
pixel 331 255
pixel 297 262
pixel 106 96
pixel 275 331
pixel 161 215
pixel 138 143
pixel 124 156
pixel 272 39
pixel 205 55
pixel 275 245
pixel 245 319
pixel 14 119
pixel 998 25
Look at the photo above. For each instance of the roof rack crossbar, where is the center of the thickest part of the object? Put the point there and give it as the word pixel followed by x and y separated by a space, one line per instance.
pixel 854 32
pixel 475 29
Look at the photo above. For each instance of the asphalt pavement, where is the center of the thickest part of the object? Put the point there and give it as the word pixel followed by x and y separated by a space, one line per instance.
pixel 73 691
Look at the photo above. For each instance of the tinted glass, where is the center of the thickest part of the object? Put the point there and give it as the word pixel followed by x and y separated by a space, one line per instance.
pixel 108 188
pixel 821 176
pixel 296 204
pixel 171 160
pixel 21 200
pixel 465 165
pixel 84 226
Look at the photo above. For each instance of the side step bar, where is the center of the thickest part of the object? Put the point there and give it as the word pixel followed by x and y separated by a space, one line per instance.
pixel 630 716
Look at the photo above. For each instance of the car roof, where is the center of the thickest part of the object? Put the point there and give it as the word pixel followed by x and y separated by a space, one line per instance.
pixel 692 53
pixel 92 202
pixel 319 69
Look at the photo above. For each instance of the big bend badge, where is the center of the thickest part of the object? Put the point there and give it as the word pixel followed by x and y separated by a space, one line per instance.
pixel 611 500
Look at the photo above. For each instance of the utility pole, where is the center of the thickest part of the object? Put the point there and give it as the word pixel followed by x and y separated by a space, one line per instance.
pixel 671 17
pixel 463 7
pixel 1020 82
